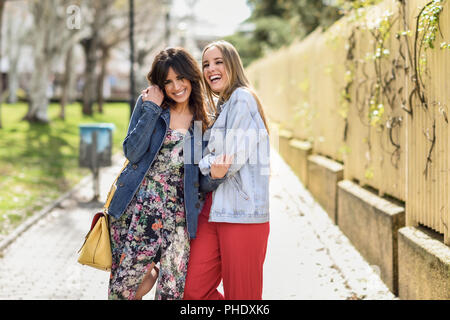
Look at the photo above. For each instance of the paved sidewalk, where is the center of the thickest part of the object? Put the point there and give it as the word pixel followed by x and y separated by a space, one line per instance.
pixel 307 258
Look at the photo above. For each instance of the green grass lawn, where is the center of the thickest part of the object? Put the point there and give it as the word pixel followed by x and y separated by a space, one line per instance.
pixel 38 163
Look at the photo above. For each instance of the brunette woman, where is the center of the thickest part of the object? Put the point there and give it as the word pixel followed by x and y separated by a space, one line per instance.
pixel 156 203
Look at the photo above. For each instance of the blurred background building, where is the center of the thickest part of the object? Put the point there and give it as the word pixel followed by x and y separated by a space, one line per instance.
pixel 158 24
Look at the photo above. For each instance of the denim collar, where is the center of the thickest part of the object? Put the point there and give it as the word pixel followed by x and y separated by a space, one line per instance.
pixel 166 115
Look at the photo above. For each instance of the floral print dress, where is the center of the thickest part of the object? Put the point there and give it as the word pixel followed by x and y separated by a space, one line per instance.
pixel 153 228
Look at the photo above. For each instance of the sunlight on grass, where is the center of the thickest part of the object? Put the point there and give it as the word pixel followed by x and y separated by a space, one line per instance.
pixel 39 162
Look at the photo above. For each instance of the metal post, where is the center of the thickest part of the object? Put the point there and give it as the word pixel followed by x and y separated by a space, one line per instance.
pixel 95 167
pixel 2 6
pixel 131 36
pixel 167 27
pixel 167 7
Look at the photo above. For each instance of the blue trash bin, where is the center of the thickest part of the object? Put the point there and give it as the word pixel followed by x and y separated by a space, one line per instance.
pixel 96 145
pixel 96 150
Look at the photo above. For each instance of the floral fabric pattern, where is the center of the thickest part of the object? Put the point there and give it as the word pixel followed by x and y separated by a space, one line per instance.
pixel 153 229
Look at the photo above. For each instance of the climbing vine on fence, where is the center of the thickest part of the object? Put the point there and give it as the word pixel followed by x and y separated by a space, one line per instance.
pixel 427 28
pixel 375 97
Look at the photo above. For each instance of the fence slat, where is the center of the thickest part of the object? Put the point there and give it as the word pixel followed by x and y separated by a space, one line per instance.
pixel 301 88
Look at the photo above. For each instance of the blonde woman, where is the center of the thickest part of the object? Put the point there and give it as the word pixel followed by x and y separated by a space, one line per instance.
pixel 233 227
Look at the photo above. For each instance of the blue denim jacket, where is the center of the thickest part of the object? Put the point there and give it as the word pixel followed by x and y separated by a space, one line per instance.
pixel 240 131
pixel 146 133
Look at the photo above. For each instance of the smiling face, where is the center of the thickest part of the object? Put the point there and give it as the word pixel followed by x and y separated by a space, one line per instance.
pixel 177 87
pixel 214 70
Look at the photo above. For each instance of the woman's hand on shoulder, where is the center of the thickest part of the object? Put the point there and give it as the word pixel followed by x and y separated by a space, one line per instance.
pixel 153 94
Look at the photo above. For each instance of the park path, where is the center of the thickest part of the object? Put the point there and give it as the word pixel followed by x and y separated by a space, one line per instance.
pixel 308 257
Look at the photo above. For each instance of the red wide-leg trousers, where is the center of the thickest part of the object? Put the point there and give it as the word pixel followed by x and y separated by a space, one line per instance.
pixel 232 252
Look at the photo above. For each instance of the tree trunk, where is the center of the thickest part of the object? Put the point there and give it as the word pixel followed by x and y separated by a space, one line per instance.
pixel 90 49
pixel 14 38
pixel 50 39
pixel 38 104
pixel 131 37
pixel 2 5
pixel 13 80
pixel 66 83
pixel 101 77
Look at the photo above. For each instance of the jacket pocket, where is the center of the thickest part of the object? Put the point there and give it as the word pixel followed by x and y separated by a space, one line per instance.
pixel 238 187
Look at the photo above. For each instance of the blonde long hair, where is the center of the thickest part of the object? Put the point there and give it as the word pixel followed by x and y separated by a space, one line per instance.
pixel 236 77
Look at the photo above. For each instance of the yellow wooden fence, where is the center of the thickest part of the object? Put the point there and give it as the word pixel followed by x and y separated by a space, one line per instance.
pixel 350 91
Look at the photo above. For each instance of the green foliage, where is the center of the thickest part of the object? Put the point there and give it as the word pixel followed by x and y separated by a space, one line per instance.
pixel 376 112
pixel 429 22
pixel 380 30
pixel 347 6
pixel 344 150
pixel 445 45
pixel 249 49
pixel 310 14
pixel 261 8
pixel 427 29
pixel 39 162
pixel 368 173
pixel 276 23
pixel 270 33
pixel 273 32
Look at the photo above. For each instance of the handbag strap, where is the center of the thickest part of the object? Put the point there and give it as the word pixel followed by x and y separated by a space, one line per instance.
pixel 113 188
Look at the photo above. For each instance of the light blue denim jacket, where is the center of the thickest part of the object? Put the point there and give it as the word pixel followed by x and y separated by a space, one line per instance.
pixel 243 197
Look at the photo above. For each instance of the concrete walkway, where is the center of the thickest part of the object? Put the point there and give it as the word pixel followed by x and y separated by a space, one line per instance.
pixel 307 258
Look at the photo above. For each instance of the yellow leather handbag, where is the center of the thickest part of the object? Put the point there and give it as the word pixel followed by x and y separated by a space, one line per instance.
pixel 96 249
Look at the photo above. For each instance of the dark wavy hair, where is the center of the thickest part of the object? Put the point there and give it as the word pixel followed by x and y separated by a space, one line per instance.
pixel 184 65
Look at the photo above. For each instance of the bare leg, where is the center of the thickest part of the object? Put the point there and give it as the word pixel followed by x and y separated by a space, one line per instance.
pixel 148 282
